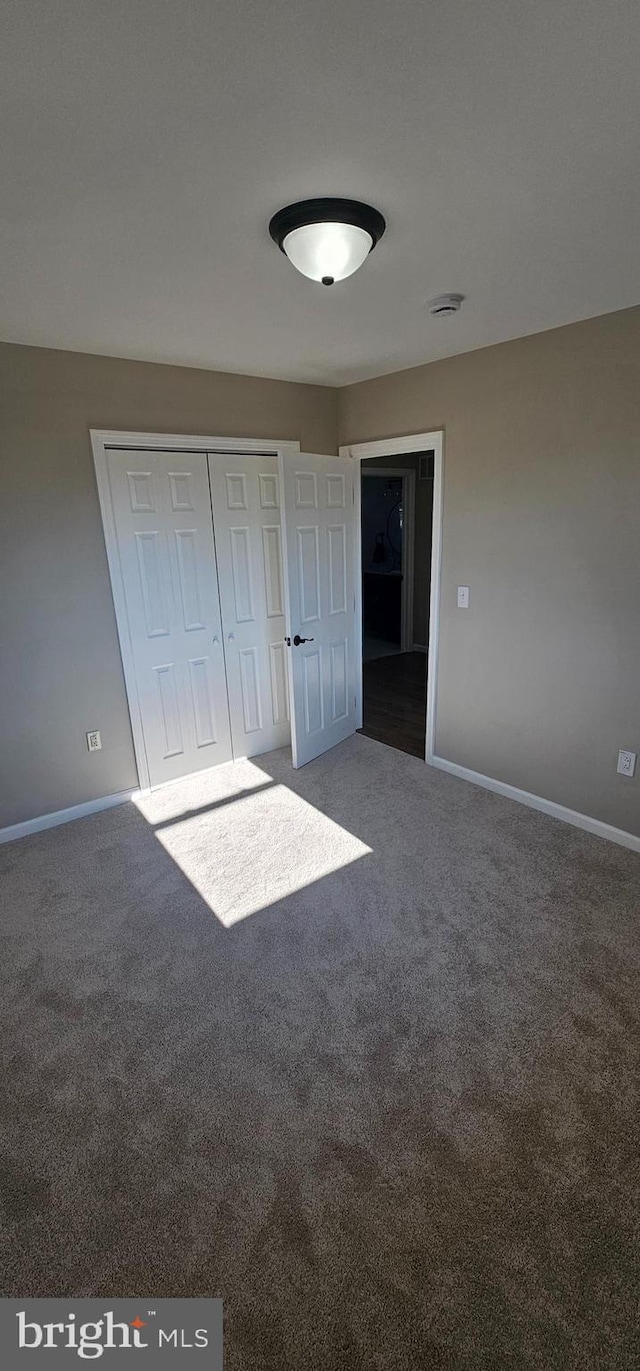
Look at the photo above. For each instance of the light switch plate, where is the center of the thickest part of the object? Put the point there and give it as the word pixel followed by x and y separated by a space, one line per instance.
pixel 626 763
pixel 463 597
pixel 94 741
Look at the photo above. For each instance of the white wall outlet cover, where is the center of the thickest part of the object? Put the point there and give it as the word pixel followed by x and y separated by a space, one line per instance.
pixel 463 597
pixel 626 763
pixel 94 741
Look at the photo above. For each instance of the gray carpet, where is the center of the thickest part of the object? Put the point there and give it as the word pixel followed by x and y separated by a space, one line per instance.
pixel 355 1048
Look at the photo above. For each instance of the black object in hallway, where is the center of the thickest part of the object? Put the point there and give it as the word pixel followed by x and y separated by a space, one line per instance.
pixel 394 701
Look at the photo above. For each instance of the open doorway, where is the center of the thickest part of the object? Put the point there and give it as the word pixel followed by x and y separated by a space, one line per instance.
pixel 396 550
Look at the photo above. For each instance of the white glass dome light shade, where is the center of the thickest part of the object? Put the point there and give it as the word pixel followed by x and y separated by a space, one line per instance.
pixel 327 251
pixel 327 239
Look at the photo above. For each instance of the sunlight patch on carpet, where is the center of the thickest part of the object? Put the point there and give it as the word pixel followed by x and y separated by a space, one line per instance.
pixel 245 842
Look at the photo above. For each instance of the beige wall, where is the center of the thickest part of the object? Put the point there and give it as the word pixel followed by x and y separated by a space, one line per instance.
pixel 539 681
pixel 60 663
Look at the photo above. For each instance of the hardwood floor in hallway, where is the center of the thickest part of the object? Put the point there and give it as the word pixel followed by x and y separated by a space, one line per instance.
pixel 394 709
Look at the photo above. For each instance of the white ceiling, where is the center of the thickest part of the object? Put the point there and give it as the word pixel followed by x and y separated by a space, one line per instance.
pixel 147 144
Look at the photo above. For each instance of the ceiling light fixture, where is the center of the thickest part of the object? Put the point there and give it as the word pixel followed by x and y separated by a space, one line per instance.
pixel 327 239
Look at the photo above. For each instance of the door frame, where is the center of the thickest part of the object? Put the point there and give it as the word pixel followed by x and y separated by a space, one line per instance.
pixel 408 543
pixel 102 442
pixel 400 447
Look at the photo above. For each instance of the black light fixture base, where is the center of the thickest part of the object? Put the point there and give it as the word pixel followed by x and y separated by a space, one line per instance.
pixel 327 209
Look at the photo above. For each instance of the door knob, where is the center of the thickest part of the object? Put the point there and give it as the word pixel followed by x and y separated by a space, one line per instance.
pixel 298 640
pixel 232 637
pixel 215 638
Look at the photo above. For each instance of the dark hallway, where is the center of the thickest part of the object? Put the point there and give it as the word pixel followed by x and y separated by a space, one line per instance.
pixel 397 518
pixel 394 701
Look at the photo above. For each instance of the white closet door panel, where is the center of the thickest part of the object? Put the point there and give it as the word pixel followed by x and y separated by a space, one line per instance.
pixel 246 509
pixel 162 509
pixel 318 523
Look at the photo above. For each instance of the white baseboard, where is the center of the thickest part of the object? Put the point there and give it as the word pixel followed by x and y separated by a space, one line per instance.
pixel 420 647
pixel 64 816
pixel 557 811
pixel 568 816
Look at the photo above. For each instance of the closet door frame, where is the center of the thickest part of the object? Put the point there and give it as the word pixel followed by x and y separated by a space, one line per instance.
pixel 102 442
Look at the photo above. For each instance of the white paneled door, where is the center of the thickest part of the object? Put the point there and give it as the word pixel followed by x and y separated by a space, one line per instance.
pixel 318 528
pixel 246 514
pixel 162 511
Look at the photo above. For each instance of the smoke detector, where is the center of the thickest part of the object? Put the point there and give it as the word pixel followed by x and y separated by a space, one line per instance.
pixel 441 305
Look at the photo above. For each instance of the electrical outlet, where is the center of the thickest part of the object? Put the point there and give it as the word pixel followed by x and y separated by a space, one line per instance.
pixel 626 763
pixel 463 597
pixel 94 741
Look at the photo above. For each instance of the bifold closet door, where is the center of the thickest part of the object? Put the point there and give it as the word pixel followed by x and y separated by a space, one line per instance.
pixel 246 514
pixel 162 510
pixel 318 538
